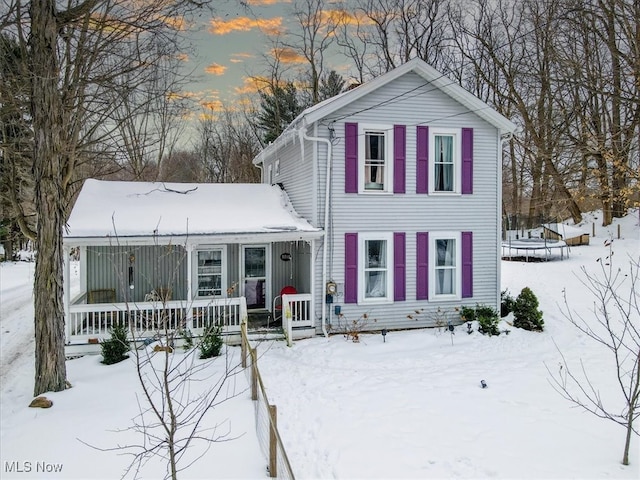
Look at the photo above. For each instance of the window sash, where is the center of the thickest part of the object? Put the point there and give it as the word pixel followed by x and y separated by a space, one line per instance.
pixel 375 160
pixel 446 268
pixel 209 272
pixel 444 163
pixel 376 268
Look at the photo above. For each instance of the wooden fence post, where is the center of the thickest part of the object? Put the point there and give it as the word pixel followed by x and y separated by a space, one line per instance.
pixel 273 442
pixel 618 231
pixel 254 374
pixel 243 344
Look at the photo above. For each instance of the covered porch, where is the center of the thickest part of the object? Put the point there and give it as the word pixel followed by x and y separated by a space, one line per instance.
pixel 183 283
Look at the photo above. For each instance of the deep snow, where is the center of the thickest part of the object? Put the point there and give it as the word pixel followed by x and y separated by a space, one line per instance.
pixel 410 407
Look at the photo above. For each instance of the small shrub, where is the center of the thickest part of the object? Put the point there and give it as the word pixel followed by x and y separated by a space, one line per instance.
pixel 211 343
pixel 488 320
pixel 187 339
pixel 115 349
pixel 526 313
pixel 468 314
pixel 507 303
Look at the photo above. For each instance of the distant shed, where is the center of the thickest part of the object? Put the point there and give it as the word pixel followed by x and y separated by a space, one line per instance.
pixel 572 236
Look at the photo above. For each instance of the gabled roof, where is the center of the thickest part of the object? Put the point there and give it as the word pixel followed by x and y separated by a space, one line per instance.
pixel 416 65
pixel 108 209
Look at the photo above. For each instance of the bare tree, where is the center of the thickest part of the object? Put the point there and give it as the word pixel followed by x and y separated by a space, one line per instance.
pixel 77 52
pixel 614 325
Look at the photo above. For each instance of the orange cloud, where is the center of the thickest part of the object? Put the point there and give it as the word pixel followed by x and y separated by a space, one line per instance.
pixel 287 55
pixel 240 57
pixel 258 3
pixel 270 26
pixel 212 105
pixel 215 69
pixel 251 85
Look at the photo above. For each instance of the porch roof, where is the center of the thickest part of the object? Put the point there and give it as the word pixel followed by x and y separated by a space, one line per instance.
pixel 107 210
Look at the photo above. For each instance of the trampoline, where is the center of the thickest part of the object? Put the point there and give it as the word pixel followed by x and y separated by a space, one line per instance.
pixel 529 248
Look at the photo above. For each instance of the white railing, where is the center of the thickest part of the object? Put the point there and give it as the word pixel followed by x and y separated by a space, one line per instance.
pixel 86 322
pixel 296 312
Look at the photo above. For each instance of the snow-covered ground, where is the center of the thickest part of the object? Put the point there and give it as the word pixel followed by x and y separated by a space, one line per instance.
pixel 410 407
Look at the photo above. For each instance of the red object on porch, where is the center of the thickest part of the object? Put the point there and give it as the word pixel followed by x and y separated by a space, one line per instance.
pixel 277 307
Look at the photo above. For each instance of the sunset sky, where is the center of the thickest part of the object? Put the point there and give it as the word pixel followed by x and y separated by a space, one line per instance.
pixel 230 47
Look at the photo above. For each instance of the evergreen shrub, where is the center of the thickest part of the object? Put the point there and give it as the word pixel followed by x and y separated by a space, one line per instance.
pixel 115 349
pixel 526 313
pixel 211 343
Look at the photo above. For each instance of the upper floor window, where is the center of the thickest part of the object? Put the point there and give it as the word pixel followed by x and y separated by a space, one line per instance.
pixel 445 160
pixel 375 158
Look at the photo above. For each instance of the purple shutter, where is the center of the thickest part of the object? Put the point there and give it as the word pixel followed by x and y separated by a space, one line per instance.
pixel 422 272
pixel 399 266
pixel 422 159
pixel 399 158
pixel 350 268
pixel 350 158
pixel 467 264
pixel 467 160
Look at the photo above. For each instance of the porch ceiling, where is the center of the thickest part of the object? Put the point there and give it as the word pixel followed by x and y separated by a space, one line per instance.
pixel 219 213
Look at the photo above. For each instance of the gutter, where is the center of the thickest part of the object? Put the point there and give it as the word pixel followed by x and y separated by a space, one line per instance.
pixel 303 135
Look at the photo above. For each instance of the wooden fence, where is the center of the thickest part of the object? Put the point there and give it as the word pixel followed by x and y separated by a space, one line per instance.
pixel 266 414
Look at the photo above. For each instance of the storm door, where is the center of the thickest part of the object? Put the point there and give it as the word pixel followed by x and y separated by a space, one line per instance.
pixel 255 272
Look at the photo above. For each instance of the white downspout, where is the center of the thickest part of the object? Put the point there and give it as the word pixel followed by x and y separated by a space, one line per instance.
pixel 303 133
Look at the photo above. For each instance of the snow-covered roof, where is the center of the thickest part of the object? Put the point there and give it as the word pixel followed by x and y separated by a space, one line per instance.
pixel 108 209
pixel 417 66
pixel 567 231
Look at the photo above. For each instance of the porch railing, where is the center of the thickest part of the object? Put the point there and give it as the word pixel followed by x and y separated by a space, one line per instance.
pixel 145 319
pixel 296 312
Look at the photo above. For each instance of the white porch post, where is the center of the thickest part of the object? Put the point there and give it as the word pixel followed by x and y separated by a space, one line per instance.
pixel 189 319
pixel 313 284
pixel 66 283
pixel 83 270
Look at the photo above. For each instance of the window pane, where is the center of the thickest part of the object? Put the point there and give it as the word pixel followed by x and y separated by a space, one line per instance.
pixel 376 253
pixel 255 262
pixel 445 281
pixel 376 284
pixel 446 252
pixel 374 145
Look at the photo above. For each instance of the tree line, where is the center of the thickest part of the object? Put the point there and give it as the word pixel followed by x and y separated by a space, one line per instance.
pixel 96 88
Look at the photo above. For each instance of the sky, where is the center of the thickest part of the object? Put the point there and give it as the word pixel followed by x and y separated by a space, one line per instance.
pixel 231 46
pixel 407 407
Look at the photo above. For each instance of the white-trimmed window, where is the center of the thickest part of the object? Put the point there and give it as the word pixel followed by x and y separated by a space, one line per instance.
pixel 375 283
pixel 210 272
pixel 446 273
pixel 444 160
pixel 375 162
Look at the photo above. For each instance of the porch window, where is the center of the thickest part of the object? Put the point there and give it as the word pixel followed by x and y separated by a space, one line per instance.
pixel 210 272
pixel 376 162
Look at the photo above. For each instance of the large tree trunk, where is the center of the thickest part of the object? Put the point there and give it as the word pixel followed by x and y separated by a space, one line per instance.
pixel 46 110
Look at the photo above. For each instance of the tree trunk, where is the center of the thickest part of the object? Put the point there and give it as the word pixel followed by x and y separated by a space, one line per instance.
pixel 46 106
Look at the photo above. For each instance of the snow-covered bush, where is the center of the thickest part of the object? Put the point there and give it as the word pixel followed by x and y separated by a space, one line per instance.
pixel 115 349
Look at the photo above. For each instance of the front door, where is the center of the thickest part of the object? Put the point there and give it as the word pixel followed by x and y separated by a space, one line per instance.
pixel 255 271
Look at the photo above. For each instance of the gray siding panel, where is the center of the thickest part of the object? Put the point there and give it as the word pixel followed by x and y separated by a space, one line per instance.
pixel 154 266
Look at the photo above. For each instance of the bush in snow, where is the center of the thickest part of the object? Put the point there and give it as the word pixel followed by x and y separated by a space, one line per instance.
pixel 115 349
pixel 507 303
pixel 488 320
pixel 211 343
pixel 526 313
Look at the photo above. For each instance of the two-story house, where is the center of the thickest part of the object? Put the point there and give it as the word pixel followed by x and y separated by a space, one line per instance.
pixel 382 203
pixel 403 174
